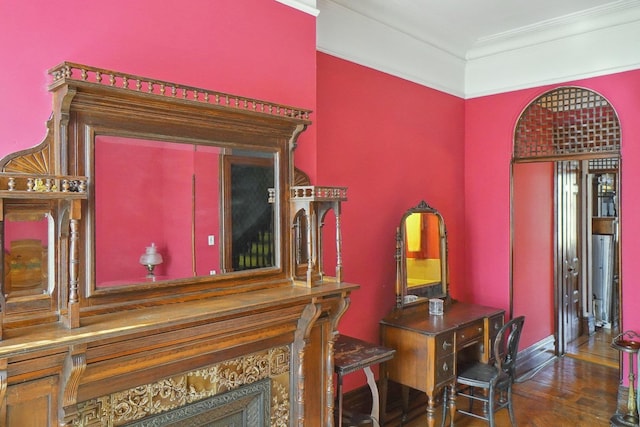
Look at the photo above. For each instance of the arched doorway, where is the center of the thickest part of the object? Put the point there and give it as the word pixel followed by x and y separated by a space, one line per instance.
pixel 565 218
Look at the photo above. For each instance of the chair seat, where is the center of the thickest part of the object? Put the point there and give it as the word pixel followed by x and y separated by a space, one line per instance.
pixel 481 374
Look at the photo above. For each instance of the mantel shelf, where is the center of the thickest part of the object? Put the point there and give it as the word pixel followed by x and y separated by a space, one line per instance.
pixel 42 195
pixel 139 321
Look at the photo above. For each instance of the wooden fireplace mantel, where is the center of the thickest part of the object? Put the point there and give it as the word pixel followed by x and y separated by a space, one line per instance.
pixel 77 350
pixel 116 351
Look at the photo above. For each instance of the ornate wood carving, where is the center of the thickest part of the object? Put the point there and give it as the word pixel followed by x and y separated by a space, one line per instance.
pixel 36 162
pixel 75 364
pixel 315 202
pixel 308 318
pixel 129 82
pixel 111 356
pixel 168 394
pixel 73 312
pixel 567 122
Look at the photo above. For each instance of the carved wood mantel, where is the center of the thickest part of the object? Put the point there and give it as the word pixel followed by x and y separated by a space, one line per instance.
pixel 71 352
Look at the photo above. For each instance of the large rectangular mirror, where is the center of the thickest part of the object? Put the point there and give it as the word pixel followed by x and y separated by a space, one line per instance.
pixel 200 210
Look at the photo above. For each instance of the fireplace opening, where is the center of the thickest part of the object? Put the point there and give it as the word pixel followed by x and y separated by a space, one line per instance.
pixel 247 406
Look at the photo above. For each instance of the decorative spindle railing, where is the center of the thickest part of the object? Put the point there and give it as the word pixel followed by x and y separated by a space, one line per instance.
pixel 87 74
pixel 27 185
pixel 318 193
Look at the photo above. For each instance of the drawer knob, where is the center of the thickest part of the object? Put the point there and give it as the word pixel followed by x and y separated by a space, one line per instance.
pixel 446 345
pixel 445 367
pixel 480 329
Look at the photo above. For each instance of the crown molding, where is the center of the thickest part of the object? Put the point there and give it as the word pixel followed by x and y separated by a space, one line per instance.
pixel 351 36
pixel 595 53
pixel 307 6
pixel 610 15
pixel 593 43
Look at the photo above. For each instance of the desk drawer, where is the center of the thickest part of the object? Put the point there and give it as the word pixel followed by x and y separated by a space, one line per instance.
pixel 495 323
pixel 469 333
pixel 444 344
pixel 445 368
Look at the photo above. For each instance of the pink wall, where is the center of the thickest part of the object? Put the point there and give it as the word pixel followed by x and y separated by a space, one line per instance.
pixel 390 141
pixel 490 122
pixel 393 143
pixel 257 48
pixel 533 265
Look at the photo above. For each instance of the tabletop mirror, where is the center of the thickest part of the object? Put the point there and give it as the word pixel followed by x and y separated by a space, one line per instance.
pixel 421 256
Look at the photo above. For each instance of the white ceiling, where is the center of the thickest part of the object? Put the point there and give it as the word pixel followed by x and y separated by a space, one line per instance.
pixel 460 26
pixel 472 48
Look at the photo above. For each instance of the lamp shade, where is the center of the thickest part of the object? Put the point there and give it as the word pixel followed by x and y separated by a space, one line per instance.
pixel 151 256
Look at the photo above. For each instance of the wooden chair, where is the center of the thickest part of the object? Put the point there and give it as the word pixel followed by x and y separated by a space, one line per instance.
pixel 493 381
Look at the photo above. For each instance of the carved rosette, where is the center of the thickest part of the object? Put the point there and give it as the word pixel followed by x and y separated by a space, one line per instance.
pixel 171 393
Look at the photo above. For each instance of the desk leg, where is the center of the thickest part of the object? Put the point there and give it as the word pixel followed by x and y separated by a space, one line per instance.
pixel 375 398
pixel 405 402
pixel 384 381
pixel 452 403
pixel 339 392
pixel 431 412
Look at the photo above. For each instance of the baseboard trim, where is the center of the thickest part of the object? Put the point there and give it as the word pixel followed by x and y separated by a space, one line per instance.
pixel 532 359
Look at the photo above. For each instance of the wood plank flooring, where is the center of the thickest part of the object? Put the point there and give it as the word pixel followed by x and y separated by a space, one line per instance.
pixel 596 348
pixel 569 392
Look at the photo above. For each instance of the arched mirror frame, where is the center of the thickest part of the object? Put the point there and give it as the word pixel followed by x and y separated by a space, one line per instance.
pixel 420 293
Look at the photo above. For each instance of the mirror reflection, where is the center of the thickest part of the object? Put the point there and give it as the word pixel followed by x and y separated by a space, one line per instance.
pixel 422 249
pixel 421 255
pixel 184 203
pixel 28 253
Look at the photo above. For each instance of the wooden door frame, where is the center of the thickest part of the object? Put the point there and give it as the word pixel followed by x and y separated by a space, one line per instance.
pixel 585 232
pixel 561 310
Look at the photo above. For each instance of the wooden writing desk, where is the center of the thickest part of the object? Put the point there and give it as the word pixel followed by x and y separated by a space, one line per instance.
pixel 352 354
pixel 429 347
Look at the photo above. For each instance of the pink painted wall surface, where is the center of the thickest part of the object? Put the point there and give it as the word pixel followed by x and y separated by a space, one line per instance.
pixel 257 48
pixel 533 262
pixel 490 122
pixel 393 143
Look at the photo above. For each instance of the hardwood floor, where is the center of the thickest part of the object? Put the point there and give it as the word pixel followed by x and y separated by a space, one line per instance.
pixel 596 348
pixel 568 392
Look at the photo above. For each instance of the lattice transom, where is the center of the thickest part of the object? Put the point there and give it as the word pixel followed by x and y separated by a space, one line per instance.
pixel 567 121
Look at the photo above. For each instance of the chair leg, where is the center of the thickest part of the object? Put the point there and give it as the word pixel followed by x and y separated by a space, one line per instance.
pixel 490 408
pixel 512 415
pixel 445 404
